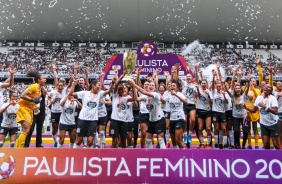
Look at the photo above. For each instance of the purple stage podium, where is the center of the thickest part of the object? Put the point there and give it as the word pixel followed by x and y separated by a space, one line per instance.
pixel 67 165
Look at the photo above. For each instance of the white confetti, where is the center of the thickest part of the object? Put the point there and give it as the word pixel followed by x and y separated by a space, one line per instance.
pixel 52 3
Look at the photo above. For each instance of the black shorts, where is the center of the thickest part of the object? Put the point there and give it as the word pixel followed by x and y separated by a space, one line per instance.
pixel 102 121
pixel 130 126
pixel 55 118
pixel 218 117
pixel 66 127
pixel 6 130
pixel 143 118
pixel 271 131
pixel 188 108
pixel 229 115
pixel 176 124
pixel 86 128
pixel 167 115
pixel 118 128
pixel 202 114
pixel 109 113
pixel 156 127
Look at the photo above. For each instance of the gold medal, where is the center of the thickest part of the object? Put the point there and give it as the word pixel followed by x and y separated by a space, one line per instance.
pixel 119 110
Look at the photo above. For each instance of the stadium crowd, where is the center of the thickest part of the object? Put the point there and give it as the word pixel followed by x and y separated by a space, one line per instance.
pixel 96 59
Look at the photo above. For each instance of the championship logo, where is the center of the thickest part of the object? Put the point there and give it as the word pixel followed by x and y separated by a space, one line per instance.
pixel 7 166
pixel 147 48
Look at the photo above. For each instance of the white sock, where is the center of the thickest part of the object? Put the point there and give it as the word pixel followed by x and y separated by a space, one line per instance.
pixel 185 133
pixel 220 137
pixel 201 139
pixel 215 139
pixel 71 145
pixel 85 141
pixel 225 140
pixel 96 138
pixel 162 143
pixel 190 132
pixel 209 140
pixel 60 145
pixel 76 146
pixel 176 147
pixel 149 143
pixel 1 144
pixel 102 138
pixel 129 146
pixel 231 137
pixel 55 138
pixel 167 135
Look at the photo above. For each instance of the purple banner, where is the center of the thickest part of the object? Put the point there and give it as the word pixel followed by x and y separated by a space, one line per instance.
pixel 140 166
pixel 149 60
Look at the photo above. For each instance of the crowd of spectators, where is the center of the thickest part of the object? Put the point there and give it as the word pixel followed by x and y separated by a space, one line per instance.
pixel 95 59
pixel 228 59
pixel 40 59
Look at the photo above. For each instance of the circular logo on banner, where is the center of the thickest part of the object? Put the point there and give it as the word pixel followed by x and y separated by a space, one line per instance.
pixel 147 48
pixel 7 166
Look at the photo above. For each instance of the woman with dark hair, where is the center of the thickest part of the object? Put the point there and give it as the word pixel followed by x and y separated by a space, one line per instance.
pixel 156 122
pixel 38 120
pixel 88 116
pixel 253 118
pixel 102 116
pixel 203 106
pixel 122 115
pixel 67 119
pixel 55 97
pixel 189 90
pixel 7 83
pixel 218 111
pixel 128 93
pixel 278 95
pixel 177 117
pixel 30 97
pixel 269 122
pixel 9 123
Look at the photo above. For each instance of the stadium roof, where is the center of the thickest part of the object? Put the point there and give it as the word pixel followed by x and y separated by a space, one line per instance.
pixel 210 21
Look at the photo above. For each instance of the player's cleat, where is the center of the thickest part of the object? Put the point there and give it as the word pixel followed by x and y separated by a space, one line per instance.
pixel 249 147
pixel 189 137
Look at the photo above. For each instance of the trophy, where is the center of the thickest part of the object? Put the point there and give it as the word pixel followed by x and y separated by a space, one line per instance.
pixel 129 62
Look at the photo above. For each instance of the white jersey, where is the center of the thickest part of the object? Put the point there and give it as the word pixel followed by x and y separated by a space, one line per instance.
pixel 102 110
pixel 203 100
pixel 229 105
pixel 176 106
pixel 68 112
pixel 142 105
pixel 153 104
pixel 189 90
pixel 56 107
pixel 90 103
pixel 237 110
pixel 266 117
pixel 218 102
pixel 279 100
pixel 120 108
pixel 129 112
pixel 166 106
pixel 9 116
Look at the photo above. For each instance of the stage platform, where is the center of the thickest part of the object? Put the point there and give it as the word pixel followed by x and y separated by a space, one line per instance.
pixel 32 165
pixel 48 142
